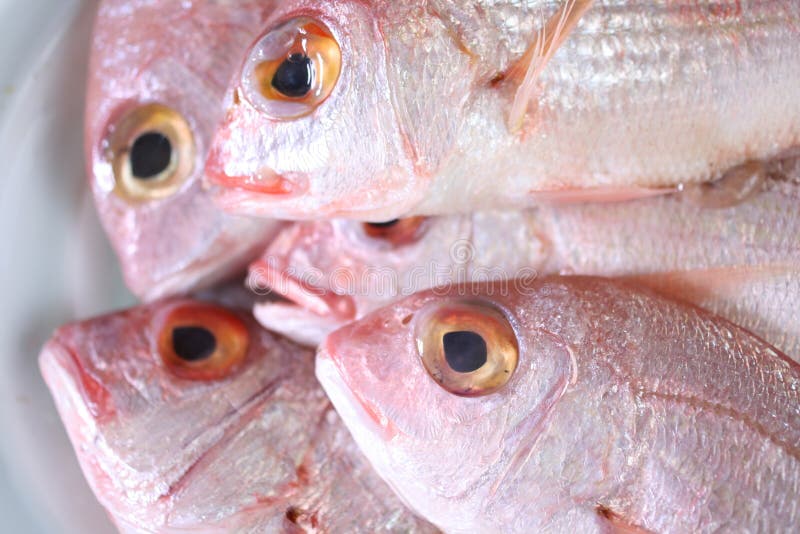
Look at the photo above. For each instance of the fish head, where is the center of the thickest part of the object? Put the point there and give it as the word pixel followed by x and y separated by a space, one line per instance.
pixel 158 74
pixel 339 110
pixel 330 272
pixel 174 407
pixel 445 390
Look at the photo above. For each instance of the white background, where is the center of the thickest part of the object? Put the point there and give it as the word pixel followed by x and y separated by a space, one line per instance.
pixel 55 264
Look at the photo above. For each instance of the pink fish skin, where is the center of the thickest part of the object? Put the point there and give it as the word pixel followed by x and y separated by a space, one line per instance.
pixel 731 261
pixel 256 448
pixel 418 120
pixel 625 409
pixel 179 55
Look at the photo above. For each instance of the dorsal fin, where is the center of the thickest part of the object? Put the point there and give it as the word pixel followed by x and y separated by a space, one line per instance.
pixel 549 38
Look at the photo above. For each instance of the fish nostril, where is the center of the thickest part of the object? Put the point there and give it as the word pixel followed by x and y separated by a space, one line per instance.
pixel 304 520
pixel 293 514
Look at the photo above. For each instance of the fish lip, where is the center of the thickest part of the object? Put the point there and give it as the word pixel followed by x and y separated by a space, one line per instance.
pixel 346 401
pixel 60 372
pixel 280 317
pixel 59 358
pixel 268 183
pixel 315 299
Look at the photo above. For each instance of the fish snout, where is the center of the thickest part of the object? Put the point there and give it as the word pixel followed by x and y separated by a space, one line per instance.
pixel 61 364
pixel 359 413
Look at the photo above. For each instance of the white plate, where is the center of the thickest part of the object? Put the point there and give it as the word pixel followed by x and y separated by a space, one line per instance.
pixel 55 263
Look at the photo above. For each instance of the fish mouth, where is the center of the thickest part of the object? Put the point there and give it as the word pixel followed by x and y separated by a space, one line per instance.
pixel 370 429
pixel 266 182
pixel 308 296
pixel 79 406
pixel 65 372
pixel 200 273
pixel 294 322
pixel 371 421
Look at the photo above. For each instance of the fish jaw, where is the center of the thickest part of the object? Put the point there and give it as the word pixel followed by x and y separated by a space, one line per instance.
pixel 67 376
pixel 317 299
pixel 218 255
pixel 61 372
pixel 291 269
pixel 371 431
pixel 331 272
pixel 371 422
pixel 295 322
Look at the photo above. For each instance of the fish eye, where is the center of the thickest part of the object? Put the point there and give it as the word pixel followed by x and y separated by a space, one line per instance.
pixel 397 232
pixel 292 69
pixel 152 153
pixel 200 341
pixel 468 347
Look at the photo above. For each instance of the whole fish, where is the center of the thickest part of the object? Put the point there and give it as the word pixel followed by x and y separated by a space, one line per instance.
pixel 741 261
pixel 188 417
pixel 158 75
pixel 385 109
pixel 570 404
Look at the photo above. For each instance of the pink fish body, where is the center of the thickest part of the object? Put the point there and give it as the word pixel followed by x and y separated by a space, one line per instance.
pixel 412 107
pixel 188 417
pixel 733 261
pixel 158 74
pixel 591 407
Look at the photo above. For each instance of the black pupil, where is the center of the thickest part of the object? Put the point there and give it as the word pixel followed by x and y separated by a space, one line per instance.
pixel 193 343
pixel 294 76
pixel 464 351
pixel 384 225
pixel 150 155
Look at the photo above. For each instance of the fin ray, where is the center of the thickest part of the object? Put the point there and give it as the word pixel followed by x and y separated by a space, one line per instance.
pixel 551 36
